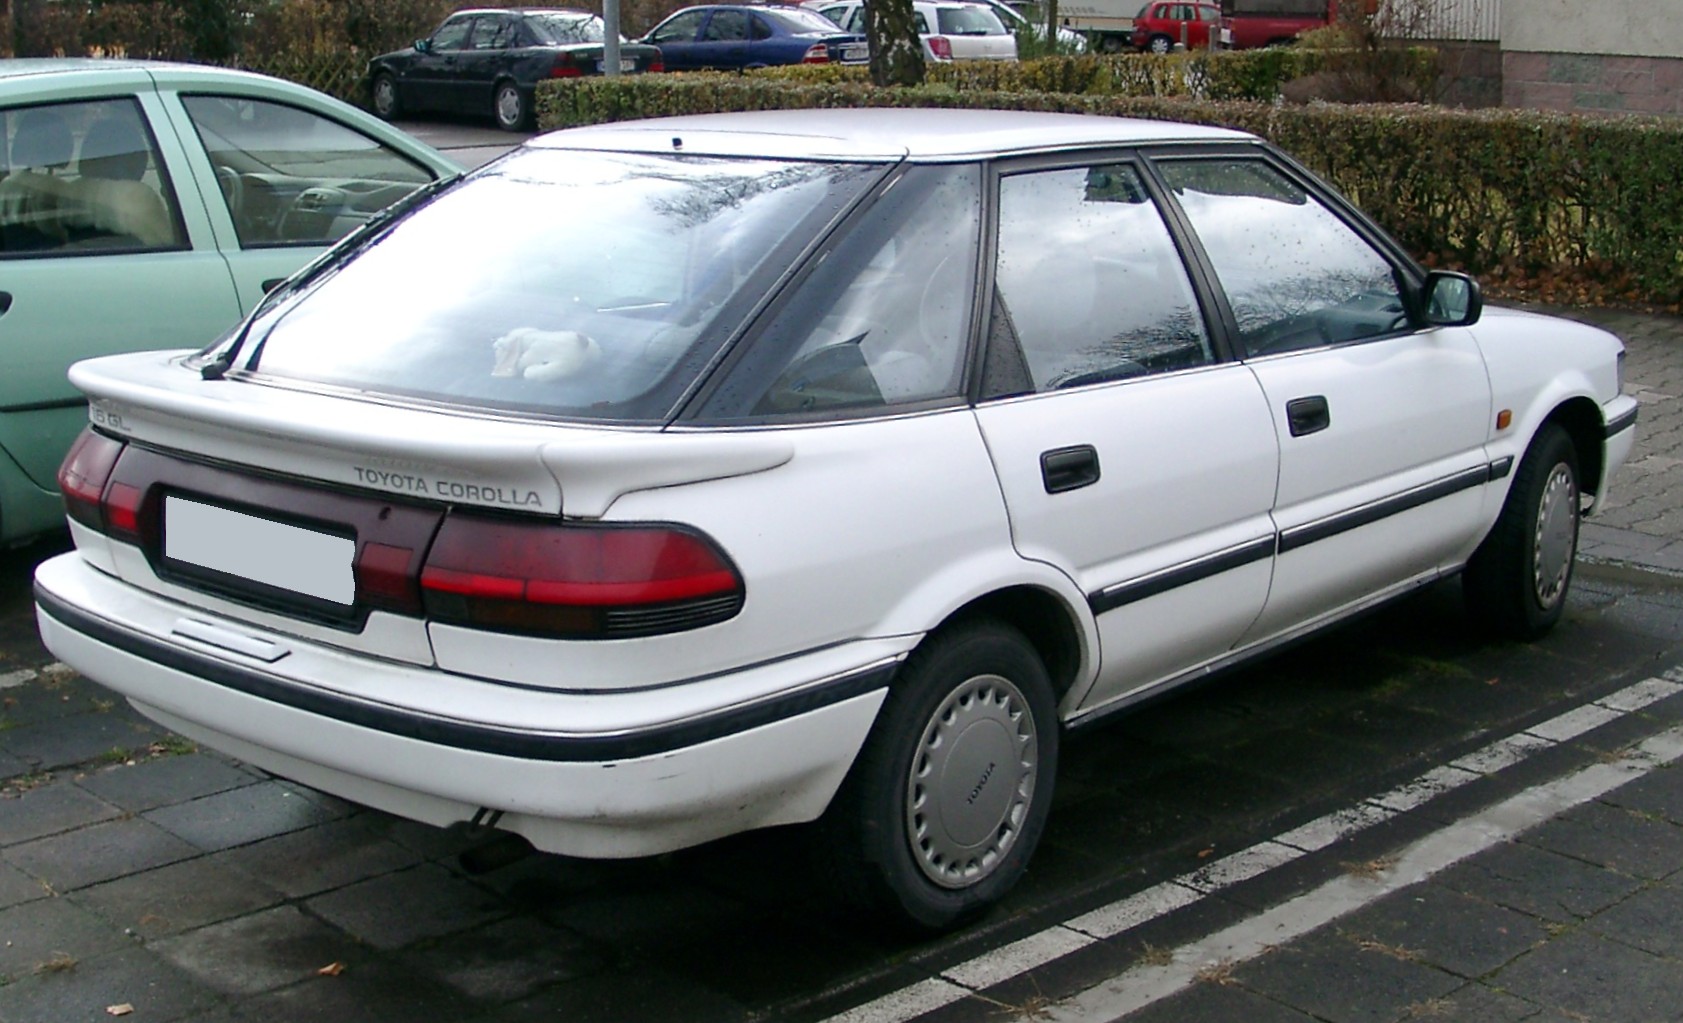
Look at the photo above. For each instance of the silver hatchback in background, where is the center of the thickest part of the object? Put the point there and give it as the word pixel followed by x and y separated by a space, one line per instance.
pixel 949 31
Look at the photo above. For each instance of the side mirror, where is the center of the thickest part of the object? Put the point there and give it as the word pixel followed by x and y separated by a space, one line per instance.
pixel 423 45
pixel 1451 299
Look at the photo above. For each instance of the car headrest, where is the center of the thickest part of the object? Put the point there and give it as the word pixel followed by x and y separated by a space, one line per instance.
pixel 42 140
pixel 113 148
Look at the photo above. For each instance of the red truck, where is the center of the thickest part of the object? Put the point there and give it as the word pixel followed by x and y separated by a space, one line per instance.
pixel 1253 23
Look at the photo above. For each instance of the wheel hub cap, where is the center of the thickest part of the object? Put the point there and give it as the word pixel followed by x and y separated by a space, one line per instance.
pixel 1557 521
pixel 971 781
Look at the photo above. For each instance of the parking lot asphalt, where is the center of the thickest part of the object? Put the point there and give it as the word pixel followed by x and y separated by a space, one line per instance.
pixel 1539 878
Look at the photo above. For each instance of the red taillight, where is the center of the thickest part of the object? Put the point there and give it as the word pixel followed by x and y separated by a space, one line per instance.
pixel 386 577
pixel 563 70
pixel 656 66
pixel 941 47
pixel 817 54
pixel 578 581
pixel 83 475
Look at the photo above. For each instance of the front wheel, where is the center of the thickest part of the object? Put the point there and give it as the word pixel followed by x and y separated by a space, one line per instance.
pixel 1517 580
pixel 944 807
pixel 387 106
pixel 510 107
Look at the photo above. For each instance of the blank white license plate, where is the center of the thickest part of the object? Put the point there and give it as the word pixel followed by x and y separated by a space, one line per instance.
pixel 855 51
pixel 626 65
pixel 261 550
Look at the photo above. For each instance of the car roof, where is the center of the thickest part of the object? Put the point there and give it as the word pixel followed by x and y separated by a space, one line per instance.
pixel 923 134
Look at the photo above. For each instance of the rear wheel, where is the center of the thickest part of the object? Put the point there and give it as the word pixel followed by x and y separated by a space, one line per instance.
pixel 948 799
pixel 510 107
pixel 386 104
pixel 1517 580
pixel 1160 44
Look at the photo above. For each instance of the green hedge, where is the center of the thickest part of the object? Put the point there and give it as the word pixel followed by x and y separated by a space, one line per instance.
pixel 1505 191
pixel 1244 74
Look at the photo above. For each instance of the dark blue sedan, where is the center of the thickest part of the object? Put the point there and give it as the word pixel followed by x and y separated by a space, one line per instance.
pixel 731 37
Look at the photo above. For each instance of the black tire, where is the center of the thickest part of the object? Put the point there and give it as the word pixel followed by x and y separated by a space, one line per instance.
pixel 928 829
pixel 387 105
pixel 1516 582
pixel 510 107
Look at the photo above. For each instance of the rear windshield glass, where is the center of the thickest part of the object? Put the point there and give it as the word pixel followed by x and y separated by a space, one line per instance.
pixel 575 284
pixel 567 28
pixel 968 21
pixel 799 21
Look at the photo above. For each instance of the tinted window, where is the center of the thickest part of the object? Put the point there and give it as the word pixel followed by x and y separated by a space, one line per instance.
pixel 292 177
pixel 1091 281
pixel 83 177
pixel 727 27
pixel 610 278
pixel 883 320
pixel 569 28
pixel 1295 274
pixel 452 35
pixel 680 29
pixel 968 21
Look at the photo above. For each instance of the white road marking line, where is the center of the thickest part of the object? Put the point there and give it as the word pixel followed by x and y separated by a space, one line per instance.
pixel 1159 900
pixel 1141 986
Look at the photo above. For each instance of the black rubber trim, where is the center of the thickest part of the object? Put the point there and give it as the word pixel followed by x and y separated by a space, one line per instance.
pixel 47 406
pixel 455 734
pixel 1113 597
pixel 1343 522
pixel 1621 424
pixel 1500 468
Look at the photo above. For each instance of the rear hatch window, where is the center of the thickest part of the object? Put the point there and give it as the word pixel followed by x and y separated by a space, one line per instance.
pixel 581 285
pixel 968 21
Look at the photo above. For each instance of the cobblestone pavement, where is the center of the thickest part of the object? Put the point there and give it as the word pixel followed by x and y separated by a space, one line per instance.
pixel 138 871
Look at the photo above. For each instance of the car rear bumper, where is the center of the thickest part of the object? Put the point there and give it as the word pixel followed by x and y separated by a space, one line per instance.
pixel 617 789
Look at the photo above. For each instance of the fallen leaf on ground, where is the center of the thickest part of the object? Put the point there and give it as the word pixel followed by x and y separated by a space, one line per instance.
pixel 331 970
pixel 119 1010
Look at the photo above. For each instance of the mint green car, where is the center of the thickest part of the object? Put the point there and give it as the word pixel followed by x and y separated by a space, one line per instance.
pixel 150 205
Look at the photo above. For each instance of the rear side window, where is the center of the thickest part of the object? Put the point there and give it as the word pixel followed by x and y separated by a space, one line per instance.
pixel 883 321
pixel 293 177
pixel 83 178
pixel 574 284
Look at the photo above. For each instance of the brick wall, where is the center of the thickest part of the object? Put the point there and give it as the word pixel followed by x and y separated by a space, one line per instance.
pixel 1584 82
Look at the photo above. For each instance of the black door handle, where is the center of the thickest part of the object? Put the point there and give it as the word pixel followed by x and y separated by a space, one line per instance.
pixel 1308 415
pixel 1069 468
pixel 5 302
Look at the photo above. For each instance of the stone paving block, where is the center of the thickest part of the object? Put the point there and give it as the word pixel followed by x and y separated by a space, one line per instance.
pixel 329 855
pixel 1649 920
pixel 399 909
pixel 240 816
pixel 1587 976
pixel 178 897
pixel 1333 978
pixel 1477 1003
pixel 624 998
pixel 98 853
pixel 17 887
pixel 1538 882
pixel 13 767
pixel 260 952
pixel 62 742
pixel 48 697
pixel 507 960
pixel 37 933
pixel 1217 1003
pixel 47 810
pixel 162 781
pixel 135 976
pixel 1659 792
pixel 375 991
pixel 1615 838
pixel 1447 929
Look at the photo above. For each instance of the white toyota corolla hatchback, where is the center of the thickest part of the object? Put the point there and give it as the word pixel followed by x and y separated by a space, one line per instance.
pixel 670 479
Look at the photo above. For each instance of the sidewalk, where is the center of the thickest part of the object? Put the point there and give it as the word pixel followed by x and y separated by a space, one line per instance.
pixel 1576 919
